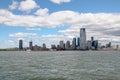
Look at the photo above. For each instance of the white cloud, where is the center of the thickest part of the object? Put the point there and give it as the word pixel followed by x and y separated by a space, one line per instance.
pixel 37 39
pixel 61 18
pixel 55 37
pixel 14 5
pixel 53 20
pixel 99 25
pixel 23 35
pixel 33 28
pixel 42 12
pixel 59 1
pixel 28 5
pixel 10 41
pixel 10 19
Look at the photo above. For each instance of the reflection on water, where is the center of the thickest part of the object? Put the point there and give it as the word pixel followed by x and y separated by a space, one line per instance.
pixel 61 65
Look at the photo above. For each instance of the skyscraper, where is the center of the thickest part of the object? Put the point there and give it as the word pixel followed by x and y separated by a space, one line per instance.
pixel 30 45
pixel 92 39
pixel 67 45
pixel 109 45
pixel 95 44
pixel 74 43
pixel 20 44
pixel 78 42
pixel 82 39
pixel 44 46
pixel 62 45
pixel 89 44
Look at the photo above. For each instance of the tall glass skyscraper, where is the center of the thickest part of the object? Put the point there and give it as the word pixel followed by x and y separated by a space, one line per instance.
pixel 74 43
pixel 30 45
pixel 61 44
pixel 67 45
pixel 78 42
pixel 20 44
pixel 83 45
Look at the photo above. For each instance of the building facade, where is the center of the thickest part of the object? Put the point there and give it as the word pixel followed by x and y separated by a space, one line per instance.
pixel 78 42
pixel 83 39
pixel 62 45
pixel 74 44
pixel 67 46
pixel 31 45
pixel 20 44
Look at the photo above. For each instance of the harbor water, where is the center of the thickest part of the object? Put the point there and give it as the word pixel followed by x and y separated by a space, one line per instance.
pixel 60 65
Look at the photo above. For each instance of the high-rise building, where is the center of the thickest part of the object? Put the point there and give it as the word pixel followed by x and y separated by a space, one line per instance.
pixel 109 45
pixel 89 44
pixel 74 43
pixel 44 46
pixel 92 39
pixel 67 45
pixel 83 39
pixel 78 42
pixel 61 45
pixel 20 44
pixel 95 44
pixel 30 45
pixel 92 42
pixel 53 46
pixel 58 47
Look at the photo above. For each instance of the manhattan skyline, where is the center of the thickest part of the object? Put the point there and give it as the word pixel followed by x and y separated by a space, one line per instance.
pixel 49 21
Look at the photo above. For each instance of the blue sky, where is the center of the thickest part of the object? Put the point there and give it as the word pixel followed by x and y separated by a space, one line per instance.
pixel 49 21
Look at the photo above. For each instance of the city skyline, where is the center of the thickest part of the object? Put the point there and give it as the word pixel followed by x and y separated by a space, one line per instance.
pixel 79 43
pixel 49 21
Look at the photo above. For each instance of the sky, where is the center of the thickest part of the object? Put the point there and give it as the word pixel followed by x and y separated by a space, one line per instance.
pixel 49 21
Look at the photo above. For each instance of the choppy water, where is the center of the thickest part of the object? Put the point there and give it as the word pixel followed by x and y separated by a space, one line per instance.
pixel 63 65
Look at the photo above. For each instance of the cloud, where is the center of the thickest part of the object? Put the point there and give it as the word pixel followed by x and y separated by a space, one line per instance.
pixel 33 29
pixel 10 41
pixel 23 35
pixel 14 5
pixel 37 39
pixel 59 1
pixel 28 5
pixel 61 18
pixel 42 12
pixel 53 20
pixel 53 37
pixel 49 37
pixel 100 25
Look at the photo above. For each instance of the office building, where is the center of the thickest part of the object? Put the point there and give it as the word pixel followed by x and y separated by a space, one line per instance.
pixel 92 39
pixel 53 46
pixel 67 46
pixel 74 44
pixel 83 39
pixel 30 45
pixel 58 47
pixel 92 43
pixel 62 46
pixel 95 44
pixel 20 44
pixel 109 45
pixel 89 44
pixel 78 42
pixel 44 46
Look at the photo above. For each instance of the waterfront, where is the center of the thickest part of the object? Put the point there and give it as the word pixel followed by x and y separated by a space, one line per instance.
pixel 60 65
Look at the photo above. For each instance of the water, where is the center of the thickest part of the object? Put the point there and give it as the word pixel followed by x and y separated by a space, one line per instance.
pixel 61 65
